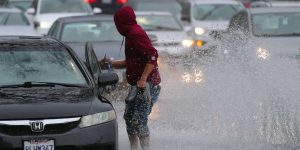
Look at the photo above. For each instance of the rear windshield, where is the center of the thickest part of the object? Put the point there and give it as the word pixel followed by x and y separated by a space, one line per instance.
pixel 276 24
pixel 159 23
pixel 16 19
pixel 95 31
pixel 64 6
pixel 42 64
pixel 215 12
pixel 22 5
pixel 173 7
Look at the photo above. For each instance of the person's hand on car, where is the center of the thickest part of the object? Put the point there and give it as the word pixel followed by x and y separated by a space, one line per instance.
pixel 105 62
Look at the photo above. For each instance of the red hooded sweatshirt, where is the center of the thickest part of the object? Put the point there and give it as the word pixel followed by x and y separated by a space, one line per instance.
pixel 138 48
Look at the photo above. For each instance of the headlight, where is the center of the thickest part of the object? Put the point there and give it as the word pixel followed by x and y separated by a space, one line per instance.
pixel 45 24
pixel 199 31
pixel 187 43
pixel 262 53
pixel 95 119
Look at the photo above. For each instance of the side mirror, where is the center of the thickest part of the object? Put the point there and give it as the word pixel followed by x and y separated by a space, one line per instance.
pixel 97 10
pixel 30 11
pixel 185 18
pixel 108 79
pixel 36 24
pixel 153 38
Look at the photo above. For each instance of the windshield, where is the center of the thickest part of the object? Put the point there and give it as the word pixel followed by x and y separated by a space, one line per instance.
pixel 43 64
pixel 172 7
pixel 98 31
pixel 22 5
pixel 158 22
pixel 13 19
pixel 215 12
pixel 64 6
pixel 276 24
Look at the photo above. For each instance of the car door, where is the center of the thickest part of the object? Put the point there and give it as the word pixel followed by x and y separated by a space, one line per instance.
pixel 92 62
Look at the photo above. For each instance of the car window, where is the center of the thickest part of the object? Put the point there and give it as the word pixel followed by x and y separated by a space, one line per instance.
pixel 13 19
pixel 159 22
pixel 215 12
pixel 173 7
pixel 276 24
pixel 53 31
pixel 22 5
pixel 38 64
pixel 95 31
pixel 64 6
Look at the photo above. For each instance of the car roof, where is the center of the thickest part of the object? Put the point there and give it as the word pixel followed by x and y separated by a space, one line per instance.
pixel 213 1
pixel 262 10
pixel 28 40
pixel 276 4
pixel 10 10
pixel 86 18
pixel 158 13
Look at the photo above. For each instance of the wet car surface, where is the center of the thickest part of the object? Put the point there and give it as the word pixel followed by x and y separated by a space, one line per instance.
pixel 48 97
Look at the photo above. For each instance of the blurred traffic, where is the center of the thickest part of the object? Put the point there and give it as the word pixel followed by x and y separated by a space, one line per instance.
pixel 188 35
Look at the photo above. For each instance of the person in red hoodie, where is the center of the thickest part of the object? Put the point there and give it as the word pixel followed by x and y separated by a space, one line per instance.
pixel 141 73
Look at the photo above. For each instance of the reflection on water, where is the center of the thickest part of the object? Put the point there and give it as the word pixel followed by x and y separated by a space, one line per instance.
pixel 195 77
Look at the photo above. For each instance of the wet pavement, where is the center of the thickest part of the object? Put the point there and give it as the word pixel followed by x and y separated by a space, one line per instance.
pixel 225 105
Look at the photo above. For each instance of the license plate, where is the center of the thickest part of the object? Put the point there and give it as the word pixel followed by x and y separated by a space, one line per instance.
pixel 39 145
pixel 106 1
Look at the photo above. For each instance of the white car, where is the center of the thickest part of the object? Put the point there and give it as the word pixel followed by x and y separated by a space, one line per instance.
pixel 14 22
pixel 170 34
pixel 45 12
pixel 207 19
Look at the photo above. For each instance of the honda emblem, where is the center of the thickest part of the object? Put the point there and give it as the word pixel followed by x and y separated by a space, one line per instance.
pixel 37 126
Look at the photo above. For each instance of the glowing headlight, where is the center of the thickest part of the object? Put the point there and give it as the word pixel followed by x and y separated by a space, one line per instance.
pixel 95 119
pixel 199 31
pixel 187 43
pixel 263 53
pixel 45 24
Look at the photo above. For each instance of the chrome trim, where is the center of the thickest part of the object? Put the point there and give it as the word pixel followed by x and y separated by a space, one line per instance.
pixel 45 121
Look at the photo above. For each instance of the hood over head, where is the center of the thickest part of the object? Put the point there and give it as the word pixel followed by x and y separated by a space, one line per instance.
pixel 124 19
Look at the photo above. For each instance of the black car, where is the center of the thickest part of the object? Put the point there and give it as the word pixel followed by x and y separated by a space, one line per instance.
pixel 49 98
pixel 107 6
pixel 100 30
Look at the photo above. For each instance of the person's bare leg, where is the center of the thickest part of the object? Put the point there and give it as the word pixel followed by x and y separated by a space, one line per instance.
pixel 134 144
pixel 145 142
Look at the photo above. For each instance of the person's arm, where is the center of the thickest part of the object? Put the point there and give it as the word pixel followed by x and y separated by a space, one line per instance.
pixel 143 80
pixel 120 64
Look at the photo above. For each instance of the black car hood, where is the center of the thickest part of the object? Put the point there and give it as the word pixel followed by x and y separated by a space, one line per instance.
pixel 110 49
pixel 45 103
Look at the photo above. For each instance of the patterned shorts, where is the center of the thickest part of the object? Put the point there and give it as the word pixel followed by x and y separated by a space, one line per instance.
pixel 138 107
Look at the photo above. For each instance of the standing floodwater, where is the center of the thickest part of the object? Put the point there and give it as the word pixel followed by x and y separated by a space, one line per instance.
pixel 223 103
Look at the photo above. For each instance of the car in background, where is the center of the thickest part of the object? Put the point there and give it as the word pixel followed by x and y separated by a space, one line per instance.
pixel 107 6
pixel 170 34
pixel 45 12
pixel 14 22
pixel 100 30
pixel 275 4
pixel 268 32
pixel 171 6
pixel 50 99
pixel 206 20
pixel 23 5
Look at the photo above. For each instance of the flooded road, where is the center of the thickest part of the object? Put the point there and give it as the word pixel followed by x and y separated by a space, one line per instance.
pixel 225 105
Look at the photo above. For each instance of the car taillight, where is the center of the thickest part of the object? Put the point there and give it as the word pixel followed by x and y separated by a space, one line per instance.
pixel 90 1
pixel 121 1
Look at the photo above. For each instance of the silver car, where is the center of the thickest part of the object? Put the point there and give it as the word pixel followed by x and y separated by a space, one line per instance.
pixel 265 32
pixel 14 22
pixel 207 19
pixel 45 12
pixel 171 37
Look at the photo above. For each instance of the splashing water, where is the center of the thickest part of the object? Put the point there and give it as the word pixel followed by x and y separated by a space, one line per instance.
pixel 226 103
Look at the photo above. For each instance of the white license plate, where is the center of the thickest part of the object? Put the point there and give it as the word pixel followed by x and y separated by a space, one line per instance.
pixel 39 145
pixel 106 1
